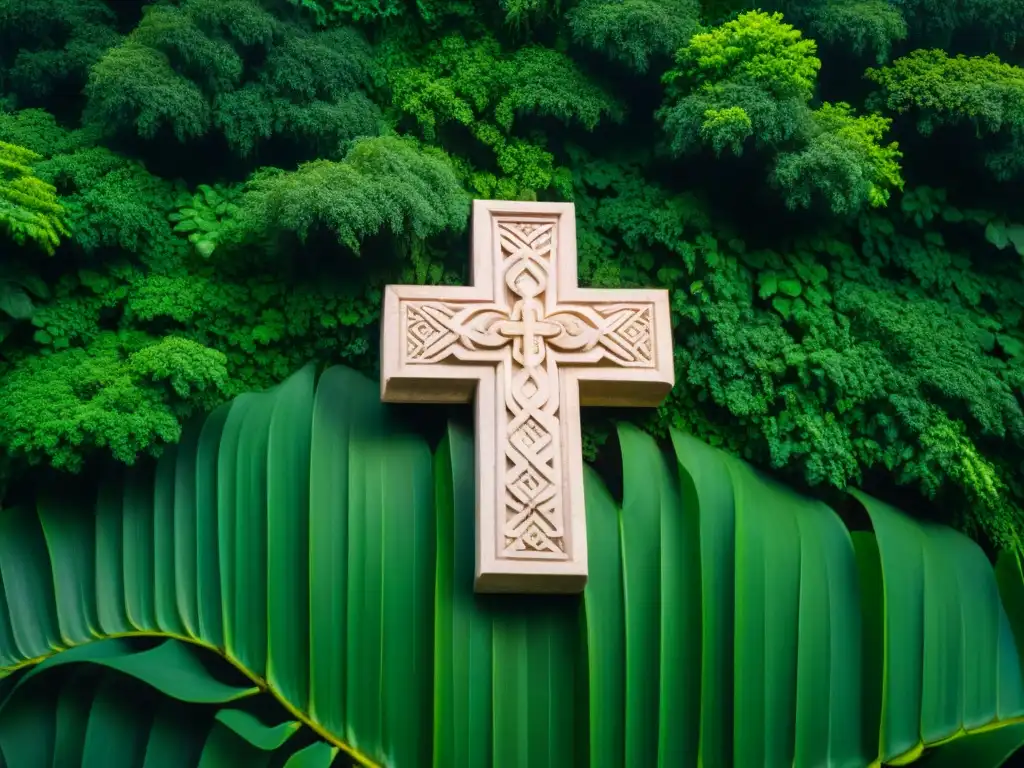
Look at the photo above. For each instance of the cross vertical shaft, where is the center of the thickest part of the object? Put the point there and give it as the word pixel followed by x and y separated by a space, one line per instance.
pixel 531 347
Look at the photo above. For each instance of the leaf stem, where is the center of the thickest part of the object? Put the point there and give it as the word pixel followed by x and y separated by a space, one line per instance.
pixel 262 684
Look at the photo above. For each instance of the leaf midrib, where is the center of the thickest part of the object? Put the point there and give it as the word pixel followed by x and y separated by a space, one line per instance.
pixel 259 682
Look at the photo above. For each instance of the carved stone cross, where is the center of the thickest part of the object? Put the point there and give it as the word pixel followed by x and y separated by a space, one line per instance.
pixel 531 346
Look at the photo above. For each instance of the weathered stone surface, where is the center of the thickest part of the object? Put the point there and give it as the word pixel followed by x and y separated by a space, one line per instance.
pixel 531 347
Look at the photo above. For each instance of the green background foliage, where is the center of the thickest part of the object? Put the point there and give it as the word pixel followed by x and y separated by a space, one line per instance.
pixel 197 197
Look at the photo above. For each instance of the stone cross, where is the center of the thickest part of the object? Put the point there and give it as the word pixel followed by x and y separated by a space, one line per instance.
pixel 531 347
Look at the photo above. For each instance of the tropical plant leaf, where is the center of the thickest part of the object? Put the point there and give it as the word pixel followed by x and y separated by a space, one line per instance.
pixel 326 553
pixel 314 756
pixel 169 667
pixel 249 727
pixel 14 302
pixel 707 494
pixel 662 711
pixel 463 634
pixel 989 749
pixel 779 617
pixel 506 666
pixel 950 660
pixel 94 717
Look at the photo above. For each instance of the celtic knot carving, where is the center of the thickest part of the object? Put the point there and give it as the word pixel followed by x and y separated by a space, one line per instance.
pixel 528 334
pixel 534 523
pixel 530 347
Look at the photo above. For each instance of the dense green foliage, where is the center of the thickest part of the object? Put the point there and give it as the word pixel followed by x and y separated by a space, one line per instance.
pixel 832 192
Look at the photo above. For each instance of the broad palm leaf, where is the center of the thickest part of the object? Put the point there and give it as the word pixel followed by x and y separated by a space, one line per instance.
pixel 321 550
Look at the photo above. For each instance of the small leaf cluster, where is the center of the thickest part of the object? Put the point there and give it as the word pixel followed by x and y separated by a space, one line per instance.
pixel 1003 234
pixel 29 209
pixel 332 12
pixel 203 217
pixel 383 183
pixel 183 70
pixel 47 47
pixel 635 31
pixel 749 82
pixel 860 26
pixel 937 90
pixel 481 89
pixel 123 393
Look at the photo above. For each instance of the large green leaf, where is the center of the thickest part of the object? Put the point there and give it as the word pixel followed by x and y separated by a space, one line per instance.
pixel 505 666
pixel 640 609
pixel 709 510
pixel 291 534
pixel 950 662
pixel 989 749
pixel 97 718
pixel 327 554
pixel 780 663
pixel 169 667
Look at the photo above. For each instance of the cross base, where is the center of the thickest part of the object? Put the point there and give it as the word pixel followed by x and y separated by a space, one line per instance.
pixel 528 581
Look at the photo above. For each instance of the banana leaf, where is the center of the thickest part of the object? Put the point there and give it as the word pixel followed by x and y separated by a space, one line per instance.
pixel 318 548
pixel 131 712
